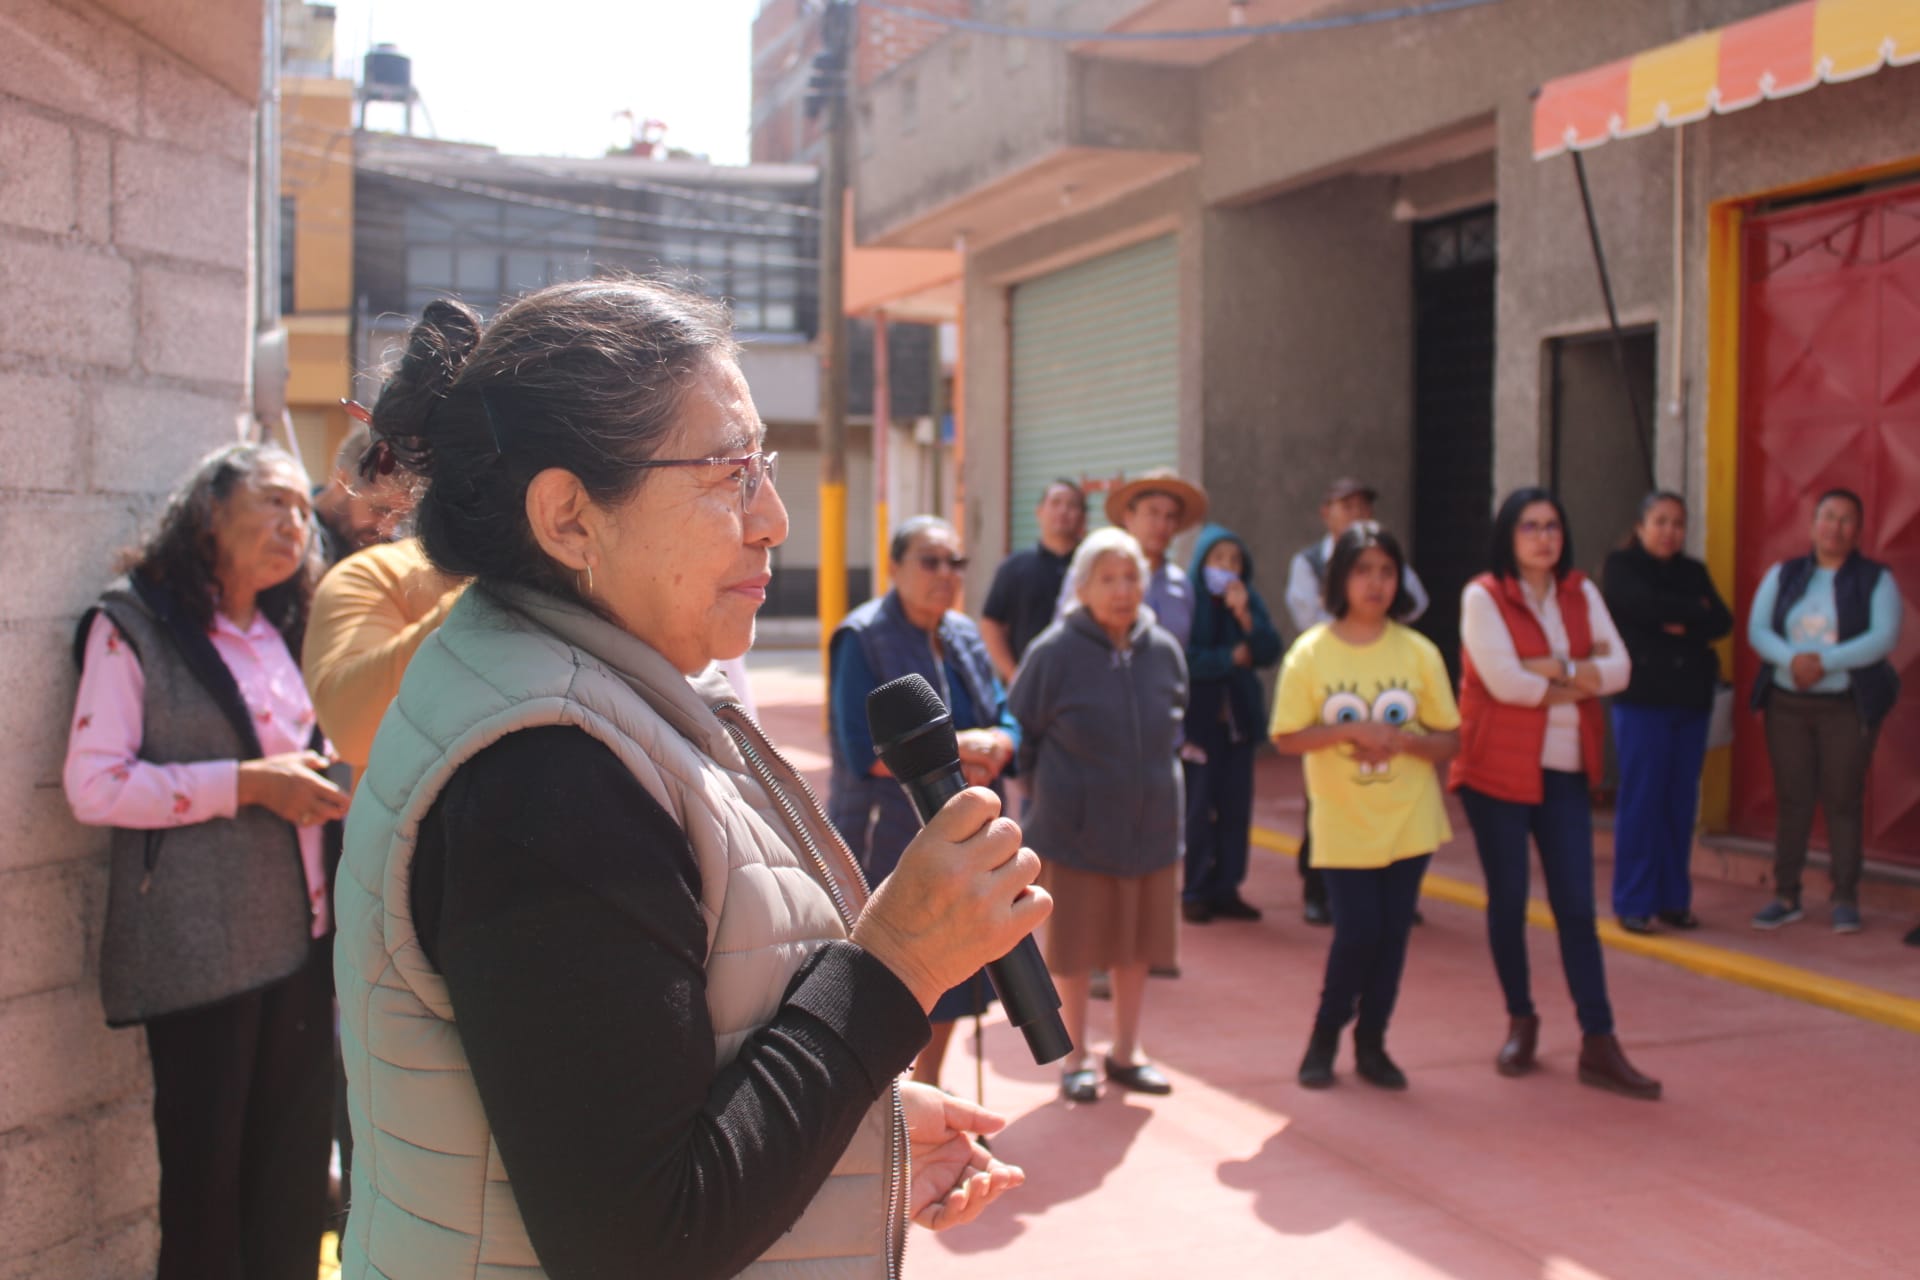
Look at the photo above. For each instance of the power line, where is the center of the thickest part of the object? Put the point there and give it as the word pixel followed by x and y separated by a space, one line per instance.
pixel 1299 26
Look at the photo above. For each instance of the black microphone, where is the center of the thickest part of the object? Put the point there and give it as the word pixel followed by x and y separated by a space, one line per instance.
pixel 913 736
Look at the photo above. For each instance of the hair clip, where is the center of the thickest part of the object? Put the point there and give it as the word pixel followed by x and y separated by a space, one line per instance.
pixel 357 411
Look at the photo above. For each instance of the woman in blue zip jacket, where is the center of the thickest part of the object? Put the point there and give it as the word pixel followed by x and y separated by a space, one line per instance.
pixel 1823 625
pixel 1233 638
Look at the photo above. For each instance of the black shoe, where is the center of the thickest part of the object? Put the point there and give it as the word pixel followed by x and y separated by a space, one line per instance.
pixel 1315 912
pixel 1637 924
pixel 1145 1078
pixel 1418 918
pixel 1235 908
pixel 1163 971
pixel 1371 1063
pixel 1316 1069
pixel 1913 937
pixel 1680 919
pixel 1196 912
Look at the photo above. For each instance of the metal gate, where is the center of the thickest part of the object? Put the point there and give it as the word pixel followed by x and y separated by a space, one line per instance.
pixel 1453 298
pixel 1830 396
pixel 1096 375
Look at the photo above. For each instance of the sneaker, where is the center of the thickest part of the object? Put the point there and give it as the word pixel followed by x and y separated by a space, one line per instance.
pixel 1846 918
pixel 1680 919
pixel 1777 913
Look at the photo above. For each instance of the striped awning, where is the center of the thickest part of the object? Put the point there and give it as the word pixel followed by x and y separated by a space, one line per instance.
pixel 1787 51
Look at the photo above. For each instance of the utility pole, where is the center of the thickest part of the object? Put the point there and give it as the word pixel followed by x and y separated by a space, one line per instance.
pixel 827 91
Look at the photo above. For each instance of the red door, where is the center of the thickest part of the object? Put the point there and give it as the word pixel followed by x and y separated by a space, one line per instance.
pixel 1830 397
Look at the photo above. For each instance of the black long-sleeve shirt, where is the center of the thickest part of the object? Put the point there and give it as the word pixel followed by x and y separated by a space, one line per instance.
pixel 562 905
pixel 1645 596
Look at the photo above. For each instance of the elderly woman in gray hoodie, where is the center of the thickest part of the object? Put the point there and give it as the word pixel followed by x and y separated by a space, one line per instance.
pixel 1100 696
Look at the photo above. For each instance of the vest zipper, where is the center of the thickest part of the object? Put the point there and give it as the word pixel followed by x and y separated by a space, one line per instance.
pixel 899 1154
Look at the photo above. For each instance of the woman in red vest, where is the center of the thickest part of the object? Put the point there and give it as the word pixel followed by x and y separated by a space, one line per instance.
pixel 1538 652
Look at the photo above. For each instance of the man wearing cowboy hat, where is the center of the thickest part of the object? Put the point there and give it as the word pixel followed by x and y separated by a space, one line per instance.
pixel 1348 501
pixel 1156 507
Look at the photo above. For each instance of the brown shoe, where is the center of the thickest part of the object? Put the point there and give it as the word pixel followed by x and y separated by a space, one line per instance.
pixel 1604 1066
pixel 1516 1055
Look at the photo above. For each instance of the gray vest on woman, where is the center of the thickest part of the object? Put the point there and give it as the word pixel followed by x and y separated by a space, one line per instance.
pixel 431 1197
pixel 198 913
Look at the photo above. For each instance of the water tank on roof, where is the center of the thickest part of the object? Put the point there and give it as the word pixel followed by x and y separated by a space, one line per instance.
pixel 386 75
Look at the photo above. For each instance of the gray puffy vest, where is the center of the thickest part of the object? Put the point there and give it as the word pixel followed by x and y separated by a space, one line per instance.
pixel 431 1198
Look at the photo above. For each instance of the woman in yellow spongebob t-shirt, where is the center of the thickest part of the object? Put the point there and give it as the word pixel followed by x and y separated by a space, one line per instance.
pixel 1367 702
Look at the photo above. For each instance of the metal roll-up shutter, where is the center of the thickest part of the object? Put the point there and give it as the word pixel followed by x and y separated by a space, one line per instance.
pixel 1095 374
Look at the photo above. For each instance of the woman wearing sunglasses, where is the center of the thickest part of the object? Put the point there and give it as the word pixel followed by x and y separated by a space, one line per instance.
pixel 914 629
pixel 614 997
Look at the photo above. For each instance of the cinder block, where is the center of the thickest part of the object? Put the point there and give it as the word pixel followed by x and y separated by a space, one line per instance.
pixel 186 204
pixel 146 439
pixel 60 553
pixel 93 184
pixel 36 171
pixel 194 324
pixel 41 831
pixel 69 59
pixel 36 687
pixel 44 945
pixel 43 434
pixel 181 105
pixel 62 1058
pixel 46 1187
pixel 66 302
pixel 126 1166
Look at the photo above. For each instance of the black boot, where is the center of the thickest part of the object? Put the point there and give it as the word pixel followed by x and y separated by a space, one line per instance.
pixel 1316 1069
pixel 1371 1061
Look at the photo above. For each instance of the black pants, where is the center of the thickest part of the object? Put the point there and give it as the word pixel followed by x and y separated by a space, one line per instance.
pixel 242 1100
pixel 1313 885
pixel 1219 818
pixel 1821 750
pixel 1372 916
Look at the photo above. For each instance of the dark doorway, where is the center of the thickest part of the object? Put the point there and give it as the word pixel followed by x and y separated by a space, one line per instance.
pixel 1599 467
pixel 1453 294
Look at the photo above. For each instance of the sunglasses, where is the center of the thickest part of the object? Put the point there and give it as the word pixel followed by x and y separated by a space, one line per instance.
pixel 935 563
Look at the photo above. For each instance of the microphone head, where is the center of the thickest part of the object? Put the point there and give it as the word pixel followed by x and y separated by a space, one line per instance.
pixel 912 731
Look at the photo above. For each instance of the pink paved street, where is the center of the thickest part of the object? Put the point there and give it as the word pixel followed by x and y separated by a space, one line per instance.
pixel 1786 1144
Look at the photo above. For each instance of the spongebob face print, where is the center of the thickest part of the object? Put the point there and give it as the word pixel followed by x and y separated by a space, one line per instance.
pixel 1392 703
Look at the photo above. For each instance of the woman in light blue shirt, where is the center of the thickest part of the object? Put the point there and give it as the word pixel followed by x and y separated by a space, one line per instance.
pixel 1823 625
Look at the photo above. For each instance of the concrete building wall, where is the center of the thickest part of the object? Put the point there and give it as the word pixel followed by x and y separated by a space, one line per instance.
pixel 1170 206
pixel 125 226
pixel 1309 353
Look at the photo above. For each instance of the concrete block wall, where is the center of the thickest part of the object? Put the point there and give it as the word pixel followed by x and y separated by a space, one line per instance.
pixel 125 243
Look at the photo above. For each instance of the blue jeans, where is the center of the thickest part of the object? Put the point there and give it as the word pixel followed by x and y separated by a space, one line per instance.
pixel 1562 826
pixel 1372 916
pixel 1219 818
pixel 1661 750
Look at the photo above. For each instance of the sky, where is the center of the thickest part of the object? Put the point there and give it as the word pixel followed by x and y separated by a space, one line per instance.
pixel 546 77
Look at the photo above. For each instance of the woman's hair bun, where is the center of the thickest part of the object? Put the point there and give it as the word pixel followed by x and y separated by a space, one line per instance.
pixel 437 346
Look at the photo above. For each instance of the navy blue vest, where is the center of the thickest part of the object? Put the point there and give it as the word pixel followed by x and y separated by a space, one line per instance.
pixel 1876 688
pixel 873 814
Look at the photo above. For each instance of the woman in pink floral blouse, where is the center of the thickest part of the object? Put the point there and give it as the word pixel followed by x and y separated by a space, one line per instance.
pixel 194 740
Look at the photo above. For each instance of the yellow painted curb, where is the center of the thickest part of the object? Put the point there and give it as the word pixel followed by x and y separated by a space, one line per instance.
pixel 1702 958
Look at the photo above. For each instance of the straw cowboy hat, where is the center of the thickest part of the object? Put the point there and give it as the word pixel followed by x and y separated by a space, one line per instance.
pixel 1191 497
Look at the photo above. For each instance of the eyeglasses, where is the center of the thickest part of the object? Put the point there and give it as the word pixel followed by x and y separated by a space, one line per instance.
pixel 935 563
pixel 755 470
pixel 1541 528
